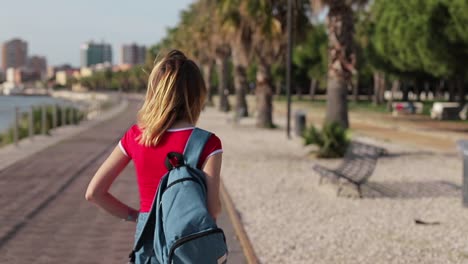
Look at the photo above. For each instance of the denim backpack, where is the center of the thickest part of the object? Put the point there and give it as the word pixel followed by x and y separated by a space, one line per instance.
pixel 179 229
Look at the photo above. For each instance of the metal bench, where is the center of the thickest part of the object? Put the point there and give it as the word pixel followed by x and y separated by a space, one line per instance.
pixel 358 165
pixel 445 110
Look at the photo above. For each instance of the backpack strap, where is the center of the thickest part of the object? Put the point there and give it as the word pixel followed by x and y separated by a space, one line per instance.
pixel 195 146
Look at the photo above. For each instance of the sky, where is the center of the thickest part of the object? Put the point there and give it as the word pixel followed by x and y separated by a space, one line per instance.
pixel 56 28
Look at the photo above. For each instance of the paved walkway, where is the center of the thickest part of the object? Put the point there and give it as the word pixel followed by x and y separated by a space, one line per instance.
pixel 44 216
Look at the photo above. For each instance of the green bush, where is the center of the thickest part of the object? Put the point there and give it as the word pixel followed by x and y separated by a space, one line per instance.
pixel 332 141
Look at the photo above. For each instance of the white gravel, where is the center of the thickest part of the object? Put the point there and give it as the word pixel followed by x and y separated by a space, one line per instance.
pixel 291 219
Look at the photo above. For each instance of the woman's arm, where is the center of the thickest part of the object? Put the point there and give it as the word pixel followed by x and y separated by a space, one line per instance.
pixel 98 188
pixel 212 170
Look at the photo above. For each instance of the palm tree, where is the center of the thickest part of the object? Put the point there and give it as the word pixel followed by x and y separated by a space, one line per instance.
pixel 201 38
pixel 192 36
pixel 239 32
pixel 216 40
pixel 222 52
pixel 263 25
pixel 262 30
pixel 341 55
pixel 207 69
pixel 269 43
pixel 202 43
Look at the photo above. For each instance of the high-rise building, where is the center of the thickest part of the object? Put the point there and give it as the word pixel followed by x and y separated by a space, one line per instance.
pixel 133 54
pixel 95 53
pixel 14 54
pixel 38 64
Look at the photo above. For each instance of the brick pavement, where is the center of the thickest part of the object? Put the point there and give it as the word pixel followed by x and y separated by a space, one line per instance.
pixel 44 216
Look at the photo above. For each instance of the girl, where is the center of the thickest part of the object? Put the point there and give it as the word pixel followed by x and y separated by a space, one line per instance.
pixel 174 99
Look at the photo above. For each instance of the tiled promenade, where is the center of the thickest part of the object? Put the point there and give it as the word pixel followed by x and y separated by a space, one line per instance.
pixel 44 216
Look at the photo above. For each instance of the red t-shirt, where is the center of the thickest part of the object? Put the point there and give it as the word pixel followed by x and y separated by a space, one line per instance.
pixel 149 161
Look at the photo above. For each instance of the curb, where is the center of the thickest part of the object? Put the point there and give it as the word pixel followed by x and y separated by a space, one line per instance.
pixel 244 241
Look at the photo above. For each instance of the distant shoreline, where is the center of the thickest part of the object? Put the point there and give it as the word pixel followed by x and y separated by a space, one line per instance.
pixel 26 95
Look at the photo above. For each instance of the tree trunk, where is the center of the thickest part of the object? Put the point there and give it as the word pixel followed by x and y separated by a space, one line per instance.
pixel 439 90
pixel 313 88
pixel 207 71
pixel 426 90
pixel 298 92
pixel 376 88
pixel 240 84
pixel 355 89
pixel 452 84
pixel 370 91
pixel 337 104
pixel 379 88
pixel 383 88
pixel 222 65
pixel 405 92
pixel 264 94
pixel 394 89
pixel 278 87
pixel 417 89
pixel 461 91
pixel 240 49
pixel 341 61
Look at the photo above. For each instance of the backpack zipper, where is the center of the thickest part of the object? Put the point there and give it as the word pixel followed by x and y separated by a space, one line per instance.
pixel 188 238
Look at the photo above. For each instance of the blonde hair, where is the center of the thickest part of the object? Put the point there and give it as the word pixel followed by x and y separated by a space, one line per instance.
pixel 176 91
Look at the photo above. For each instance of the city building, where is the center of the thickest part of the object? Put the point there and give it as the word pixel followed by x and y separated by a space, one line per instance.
pixel 95 53
pixel 89 71
pixel 121 67
pixel 24 75
pixel 38 65
pixel 63 77
pixel 21 75
pixel 52 70
pixel 132 54
pixel 14 54
pixel 86 71
pixel 10 75
pixel 102 67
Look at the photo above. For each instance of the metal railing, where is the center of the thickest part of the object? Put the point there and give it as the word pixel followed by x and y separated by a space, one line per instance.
pixel 28 121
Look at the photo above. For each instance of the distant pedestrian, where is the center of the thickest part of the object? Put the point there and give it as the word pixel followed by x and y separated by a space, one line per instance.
pixel 174 100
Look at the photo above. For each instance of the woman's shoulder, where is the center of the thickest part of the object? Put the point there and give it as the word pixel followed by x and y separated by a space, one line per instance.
pixel 214 142
pixel 134 130
pixel 213 136
pixel 132 133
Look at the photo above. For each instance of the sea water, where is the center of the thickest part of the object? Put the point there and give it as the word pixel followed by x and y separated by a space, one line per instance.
pixel 8 105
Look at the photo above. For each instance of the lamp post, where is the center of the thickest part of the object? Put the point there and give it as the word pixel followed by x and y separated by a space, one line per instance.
pixel 288 69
